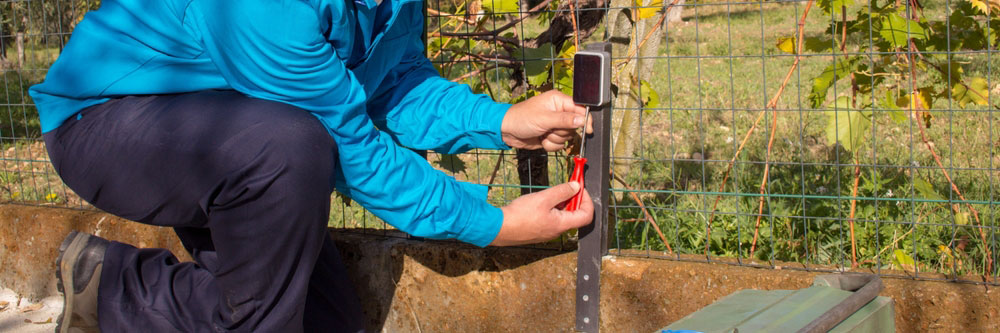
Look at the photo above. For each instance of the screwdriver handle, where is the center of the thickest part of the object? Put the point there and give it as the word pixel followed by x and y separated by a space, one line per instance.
pixel 576 176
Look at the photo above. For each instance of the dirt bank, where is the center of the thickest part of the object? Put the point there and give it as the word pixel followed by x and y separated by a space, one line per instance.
pixel 436 286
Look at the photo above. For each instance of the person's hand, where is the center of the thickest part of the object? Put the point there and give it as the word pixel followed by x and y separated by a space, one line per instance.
pixel 534 218
pixel 547 121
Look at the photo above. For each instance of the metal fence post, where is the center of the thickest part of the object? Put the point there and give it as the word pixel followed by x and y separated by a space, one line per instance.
pixel 593 242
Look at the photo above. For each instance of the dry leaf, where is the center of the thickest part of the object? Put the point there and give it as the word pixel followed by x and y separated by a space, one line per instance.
pixel 47 321
pixel 3 305
pixel 32 307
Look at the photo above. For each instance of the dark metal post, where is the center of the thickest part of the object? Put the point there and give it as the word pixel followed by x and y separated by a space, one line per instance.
pixel 593 242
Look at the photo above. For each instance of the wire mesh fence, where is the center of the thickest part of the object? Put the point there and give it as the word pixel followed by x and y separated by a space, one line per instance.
pixel 812 135
pixel 31 36
pixel 818 135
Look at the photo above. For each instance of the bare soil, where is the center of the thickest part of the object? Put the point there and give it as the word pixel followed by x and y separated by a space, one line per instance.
pixel 410 285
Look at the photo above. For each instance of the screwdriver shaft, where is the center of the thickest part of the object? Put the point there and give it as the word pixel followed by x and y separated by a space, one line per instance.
pixel 579 162
pixel 583 132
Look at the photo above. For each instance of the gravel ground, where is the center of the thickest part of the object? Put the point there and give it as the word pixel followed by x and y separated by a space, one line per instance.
pixel 19 315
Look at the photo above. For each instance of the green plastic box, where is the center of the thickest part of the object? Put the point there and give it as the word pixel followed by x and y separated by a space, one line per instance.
pixel 785 311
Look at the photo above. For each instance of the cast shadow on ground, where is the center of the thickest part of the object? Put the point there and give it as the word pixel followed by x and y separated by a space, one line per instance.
pixel 375 262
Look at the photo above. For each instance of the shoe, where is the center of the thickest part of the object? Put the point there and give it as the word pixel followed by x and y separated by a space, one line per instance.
pixel 78 272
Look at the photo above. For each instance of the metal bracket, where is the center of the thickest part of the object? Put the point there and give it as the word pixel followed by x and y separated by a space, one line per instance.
pixel 593 243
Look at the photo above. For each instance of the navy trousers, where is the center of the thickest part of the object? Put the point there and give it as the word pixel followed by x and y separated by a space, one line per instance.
pixel 246 185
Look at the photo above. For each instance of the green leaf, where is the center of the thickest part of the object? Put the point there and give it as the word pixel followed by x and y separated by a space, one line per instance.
pixel 835 7
pixel 897 30
pixel 567 52
pixel 847 127
pixel 923 100
pixel 836 71
pixel 536 63
pixel 717 239
pixel 961 95
pixel 962 218
pixel 818 45
pixel 994 31
pixel 547 15
pixel 962 20
pixel 452 163
pixel 926 190
pixel 813 44
pixel 903 260
pixel 956 72
pixel 651 99
pixel 563 71
pixel 980 91
pixel 564 79
pixel 842 103
pixel 538 78
pixel 525 96
pixel 889 103
pixel 977 92
pixel 501 6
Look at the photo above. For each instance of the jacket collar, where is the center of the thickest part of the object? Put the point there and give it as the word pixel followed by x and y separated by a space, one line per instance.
pixel 368 3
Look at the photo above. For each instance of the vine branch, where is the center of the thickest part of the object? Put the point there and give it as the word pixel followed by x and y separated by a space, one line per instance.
pixel 916 106
pixel 772 104
pixel 649 217
pixel 496 32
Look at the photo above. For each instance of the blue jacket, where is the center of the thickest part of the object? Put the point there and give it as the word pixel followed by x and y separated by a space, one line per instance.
pixel 357 66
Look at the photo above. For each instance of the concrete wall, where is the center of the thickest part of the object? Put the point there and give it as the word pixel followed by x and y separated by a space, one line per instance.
pixel 412 286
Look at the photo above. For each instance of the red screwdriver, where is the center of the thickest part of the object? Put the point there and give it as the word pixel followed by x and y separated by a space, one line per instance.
pixel 578 163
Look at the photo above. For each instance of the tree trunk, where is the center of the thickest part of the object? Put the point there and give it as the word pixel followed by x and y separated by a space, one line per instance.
pixel 625 34
pixel 675 14
pixel 4 40
pixel 532 165
pixel 532 169
pixel 20 49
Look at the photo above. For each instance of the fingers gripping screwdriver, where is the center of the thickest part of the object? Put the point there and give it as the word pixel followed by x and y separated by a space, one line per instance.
pixel 578 163
pixel 591 72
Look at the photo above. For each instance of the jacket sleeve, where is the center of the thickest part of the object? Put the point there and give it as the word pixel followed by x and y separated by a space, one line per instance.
pixel 423 110
pixel 275 50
